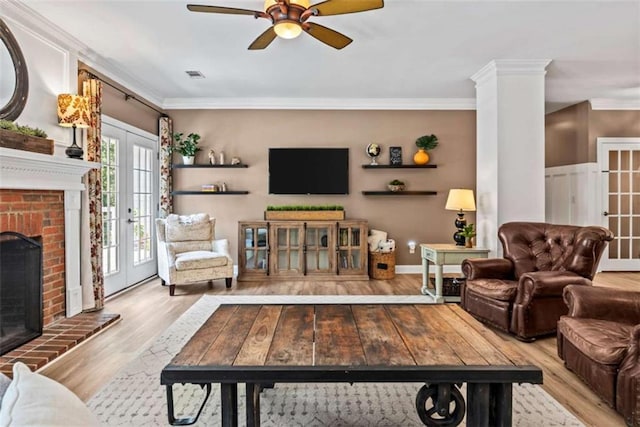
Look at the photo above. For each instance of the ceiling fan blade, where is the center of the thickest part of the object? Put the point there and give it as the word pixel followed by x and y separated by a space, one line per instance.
pixel 327 35
pixel 220 9
pixel 263 39
pixel 340 7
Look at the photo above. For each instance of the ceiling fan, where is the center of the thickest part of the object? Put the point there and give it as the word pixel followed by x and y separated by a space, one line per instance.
pixel 289 18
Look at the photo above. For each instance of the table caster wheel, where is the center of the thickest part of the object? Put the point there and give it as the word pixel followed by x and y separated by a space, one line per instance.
pixel 442 409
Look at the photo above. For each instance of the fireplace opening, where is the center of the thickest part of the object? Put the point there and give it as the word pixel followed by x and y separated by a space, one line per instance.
pixel 20 289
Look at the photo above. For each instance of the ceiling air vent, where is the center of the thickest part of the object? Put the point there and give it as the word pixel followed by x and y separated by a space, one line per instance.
pixel 195 74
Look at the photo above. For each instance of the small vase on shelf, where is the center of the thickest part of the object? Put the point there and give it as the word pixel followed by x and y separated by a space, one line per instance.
pixel 421 157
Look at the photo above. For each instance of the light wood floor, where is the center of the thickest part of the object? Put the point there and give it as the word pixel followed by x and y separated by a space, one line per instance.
pixel 147 311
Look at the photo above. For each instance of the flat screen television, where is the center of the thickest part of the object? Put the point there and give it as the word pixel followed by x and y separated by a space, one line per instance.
pixel 309 171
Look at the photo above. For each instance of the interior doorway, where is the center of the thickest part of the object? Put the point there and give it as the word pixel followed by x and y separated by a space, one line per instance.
pixel 619 160
pixel 129 204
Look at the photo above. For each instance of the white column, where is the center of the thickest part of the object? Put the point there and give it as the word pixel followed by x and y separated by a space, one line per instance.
pixel 510 146
pixel 72 252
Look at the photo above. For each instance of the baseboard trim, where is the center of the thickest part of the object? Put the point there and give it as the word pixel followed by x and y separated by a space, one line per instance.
pixel 403 269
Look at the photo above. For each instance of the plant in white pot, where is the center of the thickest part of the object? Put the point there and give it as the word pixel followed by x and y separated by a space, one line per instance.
pixel 187 147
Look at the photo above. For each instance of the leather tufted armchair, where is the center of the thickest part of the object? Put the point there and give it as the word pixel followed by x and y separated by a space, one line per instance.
pixel 599 340
pixel 522 292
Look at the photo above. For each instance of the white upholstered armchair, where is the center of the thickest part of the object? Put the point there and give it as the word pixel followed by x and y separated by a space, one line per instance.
pixel 188 251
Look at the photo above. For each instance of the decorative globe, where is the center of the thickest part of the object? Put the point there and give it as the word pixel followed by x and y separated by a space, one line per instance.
pixel 373 151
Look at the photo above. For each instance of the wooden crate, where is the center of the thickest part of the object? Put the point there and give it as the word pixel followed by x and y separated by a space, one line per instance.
pixel 18 141
pixel 304 215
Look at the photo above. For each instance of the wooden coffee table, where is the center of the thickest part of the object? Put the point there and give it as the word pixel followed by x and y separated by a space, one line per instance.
pixel 439 345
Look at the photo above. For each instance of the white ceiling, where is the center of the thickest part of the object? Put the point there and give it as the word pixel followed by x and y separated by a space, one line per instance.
pixel 408 52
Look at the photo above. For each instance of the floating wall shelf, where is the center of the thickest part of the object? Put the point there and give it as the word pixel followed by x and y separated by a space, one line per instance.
pixel 428 166
pixel 208 193
pixel 400 193
pixel 180 166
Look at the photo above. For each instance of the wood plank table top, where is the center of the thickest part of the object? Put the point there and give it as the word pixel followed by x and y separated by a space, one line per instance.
pixel 439 345
pixel 254 340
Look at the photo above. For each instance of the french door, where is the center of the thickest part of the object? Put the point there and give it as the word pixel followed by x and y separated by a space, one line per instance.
pixel 129 204
pixel 619 159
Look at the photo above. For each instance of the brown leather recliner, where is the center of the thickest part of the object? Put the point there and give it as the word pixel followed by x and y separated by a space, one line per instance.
pixel 599 340
pixel 522 292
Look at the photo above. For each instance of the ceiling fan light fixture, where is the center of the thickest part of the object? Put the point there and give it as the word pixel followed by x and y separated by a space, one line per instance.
pixel 288 29
pixel 303 3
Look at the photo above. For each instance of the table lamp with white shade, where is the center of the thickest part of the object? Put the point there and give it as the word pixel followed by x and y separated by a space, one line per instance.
pixel 460 200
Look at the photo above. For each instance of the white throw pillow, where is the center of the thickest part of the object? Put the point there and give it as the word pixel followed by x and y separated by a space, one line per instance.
pixel 35 400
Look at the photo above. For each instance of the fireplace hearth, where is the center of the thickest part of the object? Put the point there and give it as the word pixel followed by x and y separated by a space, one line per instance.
pixel 20 289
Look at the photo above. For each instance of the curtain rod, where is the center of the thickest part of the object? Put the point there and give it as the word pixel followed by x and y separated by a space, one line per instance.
pixel 127 96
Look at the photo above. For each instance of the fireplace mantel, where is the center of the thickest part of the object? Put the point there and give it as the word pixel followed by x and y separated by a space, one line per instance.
pixel 24 170
pixel 34 171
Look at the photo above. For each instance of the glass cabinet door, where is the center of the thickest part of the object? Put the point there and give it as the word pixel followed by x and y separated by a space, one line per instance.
pixel 288 249
pixel 256 248
pixel 319 248
pixel 253 250
pixel 350 253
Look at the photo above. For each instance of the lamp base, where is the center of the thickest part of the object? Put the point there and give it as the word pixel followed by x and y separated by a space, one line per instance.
pixel 460 224
pixel 74 151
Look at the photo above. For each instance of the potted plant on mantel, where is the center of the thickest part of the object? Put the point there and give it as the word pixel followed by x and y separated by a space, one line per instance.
pixel 424 143
pixel 187 147
pixel 12 135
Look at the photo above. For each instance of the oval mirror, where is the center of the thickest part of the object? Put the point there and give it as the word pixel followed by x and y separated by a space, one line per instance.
pixel 13 90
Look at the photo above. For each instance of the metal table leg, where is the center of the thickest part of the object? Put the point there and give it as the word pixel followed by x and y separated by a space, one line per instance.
pixel 229 403
pixel 489 405
pixel 187 420
pixel 253 405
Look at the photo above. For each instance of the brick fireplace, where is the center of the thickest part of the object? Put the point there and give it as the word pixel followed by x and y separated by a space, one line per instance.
pixel 40 213
pixel 40 195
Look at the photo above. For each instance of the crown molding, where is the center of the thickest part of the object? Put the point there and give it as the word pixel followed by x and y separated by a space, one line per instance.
pixel 614 104
pixel 320 103
pixel 39 25
pixel 511 67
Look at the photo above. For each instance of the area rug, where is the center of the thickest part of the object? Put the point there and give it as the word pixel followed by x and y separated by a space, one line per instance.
pixel 135 396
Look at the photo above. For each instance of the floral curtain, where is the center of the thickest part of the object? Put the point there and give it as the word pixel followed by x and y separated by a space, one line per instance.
pixel 166 178
pixel 91 263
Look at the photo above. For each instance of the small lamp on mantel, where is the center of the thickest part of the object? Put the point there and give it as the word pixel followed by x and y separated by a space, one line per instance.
pixel 460 200
pixel 73 112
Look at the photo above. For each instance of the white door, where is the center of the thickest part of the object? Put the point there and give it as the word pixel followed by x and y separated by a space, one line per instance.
pixel 619 159
pixel 129 204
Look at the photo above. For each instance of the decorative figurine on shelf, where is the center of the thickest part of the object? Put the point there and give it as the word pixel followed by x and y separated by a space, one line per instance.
pixel 222 157
pixel 235 161
pixel 223 187
pixel 373 151
pixel 212 157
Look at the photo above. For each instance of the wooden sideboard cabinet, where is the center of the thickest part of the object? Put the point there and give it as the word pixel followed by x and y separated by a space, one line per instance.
pixel 330 250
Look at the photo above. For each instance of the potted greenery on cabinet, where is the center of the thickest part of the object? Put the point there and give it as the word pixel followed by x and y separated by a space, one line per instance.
pixel 304 213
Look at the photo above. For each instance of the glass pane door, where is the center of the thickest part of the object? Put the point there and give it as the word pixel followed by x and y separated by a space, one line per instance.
pixel 129 197
pixel 110 205
pixel 621 189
